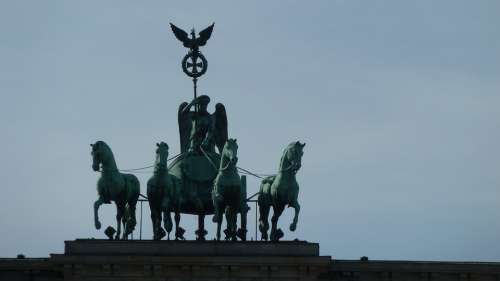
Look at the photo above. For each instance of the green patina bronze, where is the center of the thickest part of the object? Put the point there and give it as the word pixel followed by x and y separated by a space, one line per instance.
pixel 279 191
pixel 123 189
pixel 227 194
pixel 163 193
pixel 203 179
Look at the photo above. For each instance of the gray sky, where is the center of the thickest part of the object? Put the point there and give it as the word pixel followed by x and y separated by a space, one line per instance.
pixel 398 102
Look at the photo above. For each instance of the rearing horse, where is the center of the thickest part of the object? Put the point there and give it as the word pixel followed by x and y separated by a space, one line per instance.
pixel 123 189
pixel 281 190
pixel 226 192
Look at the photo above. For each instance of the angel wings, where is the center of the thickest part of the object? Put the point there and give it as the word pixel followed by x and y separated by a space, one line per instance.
pixel 213 126
pixel 192 43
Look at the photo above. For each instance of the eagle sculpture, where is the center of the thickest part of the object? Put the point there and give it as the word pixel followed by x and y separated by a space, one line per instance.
pixel 194 42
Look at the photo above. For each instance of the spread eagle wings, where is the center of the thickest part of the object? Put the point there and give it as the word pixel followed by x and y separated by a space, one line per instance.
pixel 190 42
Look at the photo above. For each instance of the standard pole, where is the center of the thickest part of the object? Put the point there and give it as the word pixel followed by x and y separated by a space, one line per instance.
pixel 255 220
pixel 194 82
pixel 140 227
pixel 195 95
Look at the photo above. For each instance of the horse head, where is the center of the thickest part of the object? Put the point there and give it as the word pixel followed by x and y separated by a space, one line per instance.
pixel 230 152
pixel 100 153
pixel 161 156
pixel 293 157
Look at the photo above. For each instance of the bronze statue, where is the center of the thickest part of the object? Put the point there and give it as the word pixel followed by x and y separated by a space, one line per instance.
pixel 194 42
pixel 201 129
pixel 194 63
pixel 195 170
pixel 226 193
pixel 279 191
pixel 163 195
pixel 201 180
pixel 123 189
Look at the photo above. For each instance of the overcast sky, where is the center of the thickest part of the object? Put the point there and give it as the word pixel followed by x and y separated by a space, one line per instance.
pixel 398 102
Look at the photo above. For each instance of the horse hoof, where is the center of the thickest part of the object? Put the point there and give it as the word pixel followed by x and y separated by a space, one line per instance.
pixel 161 234
pixel 279 233
pixel 97 225
pixel 242 234
pixel 263 236
pixel 293 227
pixel 181 232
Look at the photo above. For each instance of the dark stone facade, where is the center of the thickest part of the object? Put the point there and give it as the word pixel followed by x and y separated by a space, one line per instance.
pixel 182 261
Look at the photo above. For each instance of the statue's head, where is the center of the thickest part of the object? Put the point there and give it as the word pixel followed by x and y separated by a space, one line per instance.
pixel 161 155
pixel 203 101
pixel 230 151
pixel 98 153
pixel 294 154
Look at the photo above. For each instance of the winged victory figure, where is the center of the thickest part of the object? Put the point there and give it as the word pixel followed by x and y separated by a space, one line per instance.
pixel 200 128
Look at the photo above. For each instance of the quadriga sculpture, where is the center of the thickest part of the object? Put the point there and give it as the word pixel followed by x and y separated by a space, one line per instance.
pixel 226 192
pixel 123 189
pixel 162 194
pixel 281 190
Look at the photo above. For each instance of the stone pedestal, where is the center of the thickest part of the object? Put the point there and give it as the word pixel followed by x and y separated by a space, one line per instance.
pixel 190 260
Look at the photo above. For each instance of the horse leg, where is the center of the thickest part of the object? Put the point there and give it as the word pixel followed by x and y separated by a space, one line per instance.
pixel 263 220
pixel 276 233
pixel 125 224
pixel 242 232
pixel 129 220
pixel 201 232
pixel 167 220
pixel 154 219
pixel 296 206
pixel 179 231
pixel 119 214
pixel 218 219
pixel 154 216
pixel 97 204
pixel 216 202
pixel 231 222
pixel 219 223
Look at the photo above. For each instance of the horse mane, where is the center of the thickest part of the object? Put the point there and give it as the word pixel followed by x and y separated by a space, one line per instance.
pixel 283 157
pixel 105 147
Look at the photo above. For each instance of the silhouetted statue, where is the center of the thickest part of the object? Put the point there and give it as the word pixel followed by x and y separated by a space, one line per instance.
pixel 279 191
pixel 226 193
pixel 163 195
pixel 200 128
pixel 192 43
pixel 123 189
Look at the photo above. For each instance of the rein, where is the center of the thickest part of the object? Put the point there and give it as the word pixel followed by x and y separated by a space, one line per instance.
pixel 208 158
pixel 142 168
pixel 287 169
pixel 225 168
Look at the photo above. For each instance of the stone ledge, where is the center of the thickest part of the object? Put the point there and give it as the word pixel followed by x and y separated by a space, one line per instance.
pixel 96 247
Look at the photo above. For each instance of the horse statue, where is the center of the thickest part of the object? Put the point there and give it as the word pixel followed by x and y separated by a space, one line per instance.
pixel 123 189
pixel 226 192
pixel 280 190
pixel 162 194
